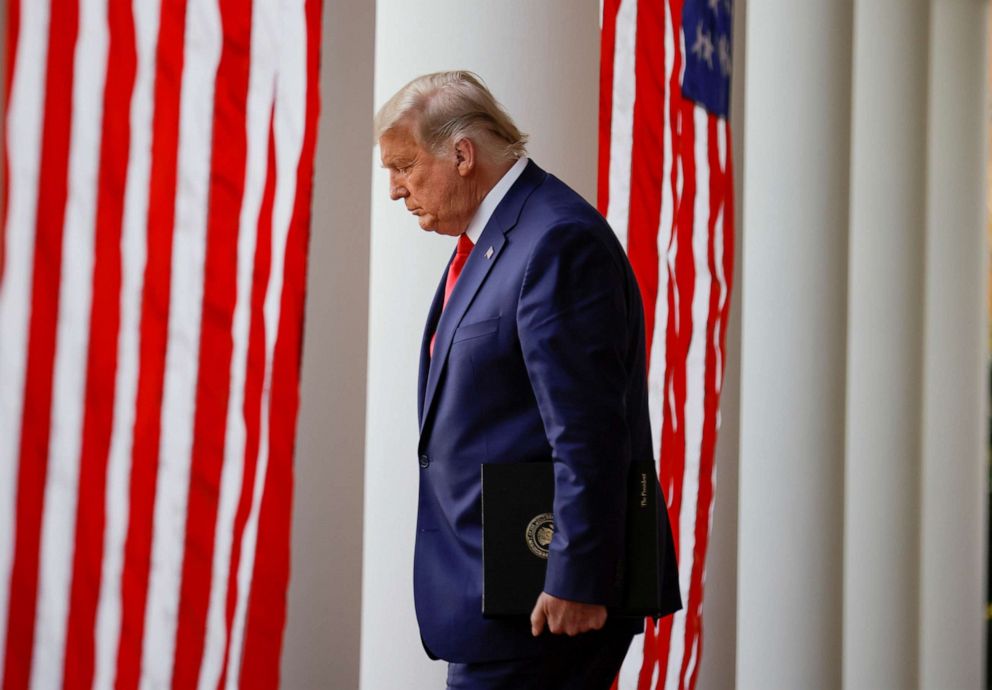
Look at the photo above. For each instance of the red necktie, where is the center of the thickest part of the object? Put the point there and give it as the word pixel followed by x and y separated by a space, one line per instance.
pixel 457 264
pixel 462 251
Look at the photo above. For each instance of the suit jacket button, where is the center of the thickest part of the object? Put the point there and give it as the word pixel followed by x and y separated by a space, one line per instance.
pixel 425 460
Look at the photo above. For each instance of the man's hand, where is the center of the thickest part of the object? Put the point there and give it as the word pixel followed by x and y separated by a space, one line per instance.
pixel 565 617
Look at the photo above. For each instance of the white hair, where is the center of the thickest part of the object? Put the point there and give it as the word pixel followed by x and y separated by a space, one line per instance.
pixel 443 107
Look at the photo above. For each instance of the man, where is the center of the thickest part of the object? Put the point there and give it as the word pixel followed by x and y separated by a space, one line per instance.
pixel 533 352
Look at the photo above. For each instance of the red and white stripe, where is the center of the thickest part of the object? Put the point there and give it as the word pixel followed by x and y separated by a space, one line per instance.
pixel 23 133
pixel 74 305
pixel 665 185
pixel 140 24
pixel 159 163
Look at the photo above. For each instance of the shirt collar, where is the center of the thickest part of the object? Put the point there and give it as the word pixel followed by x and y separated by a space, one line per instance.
pixel 492 199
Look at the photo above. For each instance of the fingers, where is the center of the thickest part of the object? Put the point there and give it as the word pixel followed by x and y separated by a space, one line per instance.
pixel 564 617
pixel 575 623
pixel 538 617
pixel 598 619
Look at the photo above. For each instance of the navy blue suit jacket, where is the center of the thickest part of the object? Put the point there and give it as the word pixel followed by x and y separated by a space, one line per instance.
pixel 539 357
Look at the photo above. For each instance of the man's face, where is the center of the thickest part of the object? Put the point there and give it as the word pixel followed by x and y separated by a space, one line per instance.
pixel 434 188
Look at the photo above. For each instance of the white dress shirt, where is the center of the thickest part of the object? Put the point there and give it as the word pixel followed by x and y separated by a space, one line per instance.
pixel 495 195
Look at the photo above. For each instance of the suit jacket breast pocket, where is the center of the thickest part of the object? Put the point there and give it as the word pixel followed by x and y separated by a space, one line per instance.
pixel 478 329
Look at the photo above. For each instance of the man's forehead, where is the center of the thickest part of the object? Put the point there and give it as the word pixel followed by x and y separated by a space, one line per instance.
pixel 397 142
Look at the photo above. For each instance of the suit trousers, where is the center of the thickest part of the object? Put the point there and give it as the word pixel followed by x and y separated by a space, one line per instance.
pixel 585 662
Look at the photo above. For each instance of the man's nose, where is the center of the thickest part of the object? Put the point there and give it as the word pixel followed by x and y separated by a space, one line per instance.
pixel 397 190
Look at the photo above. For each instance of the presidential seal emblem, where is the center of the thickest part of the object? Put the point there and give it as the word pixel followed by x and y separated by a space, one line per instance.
pixel 539 532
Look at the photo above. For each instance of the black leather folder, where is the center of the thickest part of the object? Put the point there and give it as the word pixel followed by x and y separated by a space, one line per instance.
pixel 517 524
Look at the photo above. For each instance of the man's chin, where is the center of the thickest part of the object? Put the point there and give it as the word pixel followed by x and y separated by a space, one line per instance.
pixel 430 224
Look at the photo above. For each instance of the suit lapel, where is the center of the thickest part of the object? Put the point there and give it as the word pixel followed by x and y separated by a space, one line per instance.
pixel 425 341
pixel 480 263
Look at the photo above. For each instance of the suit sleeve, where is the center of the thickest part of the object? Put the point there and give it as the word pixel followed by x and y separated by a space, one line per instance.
pixel 573 329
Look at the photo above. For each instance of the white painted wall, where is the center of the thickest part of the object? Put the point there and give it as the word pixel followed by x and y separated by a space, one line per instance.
pixel 541 59
pixel 322 628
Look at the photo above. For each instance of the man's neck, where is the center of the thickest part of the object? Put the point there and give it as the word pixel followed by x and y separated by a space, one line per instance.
pixel 494 196
pixel 489 175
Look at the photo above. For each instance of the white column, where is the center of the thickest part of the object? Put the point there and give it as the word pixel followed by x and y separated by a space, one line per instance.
pixel 884 347
pixel 322 630
pixel 793 270
pixel 541 61
pixel 954 434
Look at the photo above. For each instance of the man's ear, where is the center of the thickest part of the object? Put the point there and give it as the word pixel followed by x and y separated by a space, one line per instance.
pixel 465 156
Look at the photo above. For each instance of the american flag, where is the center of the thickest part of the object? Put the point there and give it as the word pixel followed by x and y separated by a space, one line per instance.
pixel 158 173
pixel 665 185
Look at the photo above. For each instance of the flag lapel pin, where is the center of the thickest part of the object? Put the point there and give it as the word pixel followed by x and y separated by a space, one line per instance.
pixel 489 253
